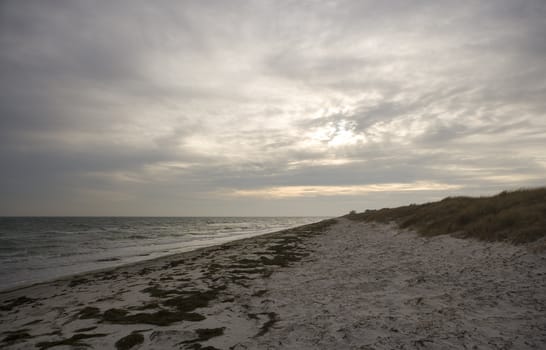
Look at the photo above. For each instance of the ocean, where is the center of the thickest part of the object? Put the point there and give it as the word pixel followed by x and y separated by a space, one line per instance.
pixel 38 249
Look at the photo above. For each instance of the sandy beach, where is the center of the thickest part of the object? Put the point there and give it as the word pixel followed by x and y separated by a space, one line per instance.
pixel 338 284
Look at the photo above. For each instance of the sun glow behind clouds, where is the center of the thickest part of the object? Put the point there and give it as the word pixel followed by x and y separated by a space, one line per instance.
pixel 355 190
pixel 337 134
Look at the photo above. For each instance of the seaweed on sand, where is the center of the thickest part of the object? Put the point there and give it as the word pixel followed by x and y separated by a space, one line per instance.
pixel 272 319
pixel 13 303
pixel 203 334
pixel 156 292
pixel 15 336
pixel 129 341
pixel 73 341
pixel 77 281
pixel 89 312
pixel 193 300
pixel 158 318
pixel 181 309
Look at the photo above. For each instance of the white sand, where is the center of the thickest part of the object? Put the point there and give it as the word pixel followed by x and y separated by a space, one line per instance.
pixel 362 286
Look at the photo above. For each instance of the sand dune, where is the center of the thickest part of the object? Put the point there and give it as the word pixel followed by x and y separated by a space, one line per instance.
pixel 335 285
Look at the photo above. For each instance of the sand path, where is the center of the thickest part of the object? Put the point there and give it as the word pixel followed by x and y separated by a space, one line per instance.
pixel 375 287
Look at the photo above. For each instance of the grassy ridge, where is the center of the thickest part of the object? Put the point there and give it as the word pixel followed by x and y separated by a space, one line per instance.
pixel 517 217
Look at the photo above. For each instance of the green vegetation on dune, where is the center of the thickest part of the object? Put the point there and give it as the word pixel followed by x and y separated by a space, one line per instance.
pixel 517 217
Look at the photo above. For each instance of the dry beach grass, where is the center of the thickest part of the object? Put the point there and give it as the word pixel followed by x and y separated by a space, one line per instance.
pixel 517 216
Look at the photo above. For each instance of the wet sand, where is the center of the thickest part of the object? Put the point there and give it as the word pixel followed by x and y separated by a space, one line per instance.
pixel 338 284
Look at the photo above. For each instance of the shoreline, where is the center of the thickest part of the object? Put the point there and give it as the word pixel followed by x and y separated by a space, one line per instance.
pixel 190 248
pixel 335 283
pixel 75 295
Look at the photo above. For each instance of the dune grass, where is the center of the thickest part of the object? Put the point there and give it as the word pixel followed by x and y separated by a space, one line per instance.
pixel 517 216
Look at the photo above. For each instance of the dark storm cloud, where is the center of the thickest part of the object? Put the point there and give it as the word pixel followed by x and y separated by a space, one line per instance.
pixel 180 107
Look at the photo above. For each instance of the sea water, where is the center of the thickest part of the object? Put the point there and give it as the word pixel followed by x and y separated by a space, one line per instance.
pixel 37 249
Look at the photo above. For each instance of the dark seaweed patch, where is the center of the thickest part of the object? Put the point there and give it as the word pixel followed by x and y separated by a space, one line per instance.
pixel 129 341
pixel 87 329
pixel 32 322
pixel 157 292
pixel 77 281
pixel 89 312
pixel 200 347
pixel 203 334
pixel 159 318
pixel 259 293
pixel 175 263
pixel 107 276
pixel 75 340
pixel 12 303
pixel 273 318
pixel 13 337
pixel 57 333
pixel 192 301
pixel 145 271
pixel 184 306
pixel 148 306
pixel 113 315
pixel 108 259
pixel 249 271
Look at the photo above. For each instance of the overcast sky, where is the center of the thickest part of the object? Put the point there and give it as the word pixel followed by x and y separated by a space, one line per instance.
pixel 267 107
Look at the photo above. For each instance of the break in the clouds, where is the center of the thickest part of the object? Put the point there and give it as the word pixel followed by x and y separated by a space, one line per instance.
pixel 266 107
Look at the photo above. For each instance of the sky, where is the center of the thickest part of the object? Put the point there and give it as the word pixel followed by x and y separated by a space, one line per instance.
pixel 250 108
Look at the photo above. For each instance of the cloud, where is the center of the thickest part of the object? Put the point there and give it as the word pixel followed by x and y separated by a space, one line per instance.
pixel 328 191
pixel 170 105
